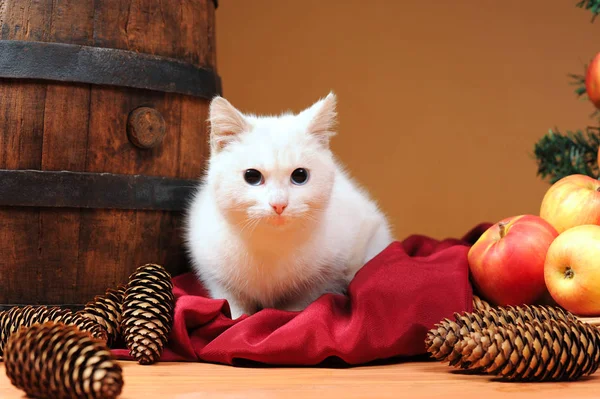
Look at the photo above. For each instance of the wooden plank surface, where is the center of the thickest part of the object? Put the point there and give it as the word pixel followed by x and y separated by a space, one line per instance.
pixel 406 380
pixel 595 321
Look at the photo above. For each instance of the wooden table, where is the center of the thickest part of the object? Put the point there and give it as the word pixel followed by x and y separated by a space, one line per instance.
pixel 407 380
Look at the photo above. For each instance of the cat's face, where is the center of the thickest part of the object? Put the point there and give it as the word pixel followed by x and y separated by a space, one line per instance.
pixel 273 171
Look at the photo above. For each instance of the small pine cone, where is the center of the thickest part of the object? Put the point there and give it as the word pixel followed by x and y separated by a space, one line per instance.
pixel 3 333
pixel 553 350
pixel 58 361
pixel 68 317
pixel 480 304
pixel 106 310
pixel 148 313
pixel 441 341
pixel 16 317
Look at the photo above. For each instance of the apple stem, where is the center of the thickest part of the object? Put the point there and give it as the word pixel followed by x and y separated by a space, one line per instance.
pixel 598 189
pixel 569 273
pixel 502 227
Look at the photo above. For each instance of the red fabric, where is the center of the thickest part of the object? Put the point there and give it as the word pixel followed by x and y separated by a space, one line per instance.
pixel 391 304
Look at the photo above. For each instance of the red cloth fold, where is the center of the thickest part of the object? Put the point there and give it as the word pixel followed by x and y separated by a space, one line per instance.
pixel 391 304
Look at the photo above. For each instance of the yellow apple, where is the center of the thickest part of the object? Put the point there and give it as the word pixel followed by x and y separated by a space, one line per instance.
pixel 572 270
pixel 572 201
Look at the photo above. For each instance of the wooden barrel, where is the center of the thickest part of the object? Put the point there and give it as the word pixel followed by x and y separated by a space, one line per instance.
pixel 103 108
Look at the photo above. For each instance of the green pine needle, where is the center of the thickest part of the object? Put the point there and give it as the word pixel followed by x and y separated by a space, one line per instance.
pixel 559 155
pixel 592 5
pixel 579 82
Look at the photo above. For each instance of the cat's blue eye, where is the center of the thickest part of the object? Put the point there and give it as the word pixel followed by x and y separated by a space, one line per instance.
pixel 299 176
pixel 253 177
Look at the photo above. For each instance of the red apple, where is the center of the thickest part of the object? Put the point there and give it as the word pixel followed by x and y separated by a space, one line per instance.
pixel 507 261
pixel 572 270
pixel 572 201
pixel 592 81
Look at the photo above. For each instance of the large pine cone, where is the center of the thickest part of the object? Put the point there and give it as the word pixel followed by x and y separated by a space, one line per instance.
pixel 441 340
pixel 553 350
pixel 480 304
pixel 16 317
pixel 148 313
pixel 59 361
pixel 106 310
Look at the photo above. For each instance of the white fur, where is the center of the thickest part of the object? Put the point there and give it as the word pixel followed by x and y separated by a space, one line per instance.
pixel 247 254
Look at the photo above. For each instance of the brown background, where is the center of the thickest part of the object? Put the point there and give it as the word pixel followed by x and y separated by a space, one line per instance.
pixel 440 102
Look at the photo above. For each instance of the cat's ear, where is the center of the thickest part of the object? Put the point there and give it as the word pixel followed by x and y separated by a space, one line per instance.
pixel 226 123
pixel 323 118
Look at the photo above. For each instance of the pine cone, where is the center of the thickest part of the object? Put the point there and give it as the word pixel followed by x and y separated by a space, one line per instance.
pixel 480 304
pixel 441 341
pixel 553 350
pixel 3 333
pixel 26 316
pixel 148 312
pixel 106 310
pixel 58 361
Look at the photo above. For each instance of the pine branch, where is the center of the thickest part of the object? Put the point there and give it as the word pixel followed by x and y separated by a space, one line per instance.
pixel 591 5
pixel 559 155
pixel 581 92
pixel 579 82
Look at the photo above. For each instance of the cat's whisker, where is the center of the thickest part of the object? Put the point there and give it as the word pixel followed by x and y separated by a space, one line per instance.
pixel 248 223
pixel 254 225
pixel 243 225
pixel 251 225
pixel 307 220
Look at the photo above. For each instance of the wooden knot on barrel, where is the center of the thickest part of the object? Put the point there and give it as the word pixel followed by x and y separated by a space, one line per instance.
pixel 146 127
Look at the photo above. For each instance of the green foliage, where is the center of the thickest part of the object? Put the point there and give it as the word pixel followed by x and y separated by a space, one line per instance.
pixel 580 91
pixel 559 155
pixel 579 82
pixel 592 5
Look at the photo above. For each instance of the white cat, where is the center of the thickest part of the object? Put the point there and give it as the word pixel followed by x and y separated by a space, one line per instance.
pixel 276 221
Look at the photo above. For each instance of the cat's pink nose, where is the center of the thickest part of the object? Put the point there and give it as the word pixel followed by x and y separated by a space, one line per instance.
pixel 278 208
